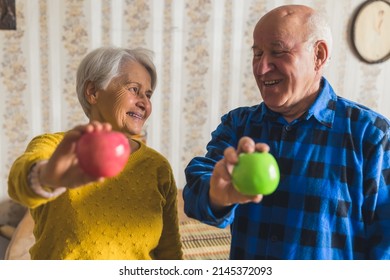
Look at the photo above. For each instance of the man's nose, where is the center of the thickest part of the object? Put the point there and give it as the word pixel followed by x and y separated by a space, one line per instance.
pixel 263 65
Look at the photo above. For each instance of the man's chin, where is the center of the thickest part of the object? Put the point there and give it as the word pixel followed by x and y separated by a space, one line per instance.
pixel 273 102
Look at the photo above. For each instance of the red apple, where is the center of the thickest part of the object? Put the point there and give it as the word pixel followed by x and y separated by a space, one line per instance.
pixel 103 153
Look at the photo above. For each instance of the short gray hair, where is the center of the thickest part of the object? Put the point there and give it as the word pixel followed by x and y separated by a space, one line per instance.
pixel 103 64
pixel 319 29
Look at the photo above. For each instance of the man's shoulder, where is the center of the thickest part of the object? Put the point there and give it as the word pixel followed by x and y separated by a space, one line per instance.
pixel 245 111
pixel 360 110
pixel 361 114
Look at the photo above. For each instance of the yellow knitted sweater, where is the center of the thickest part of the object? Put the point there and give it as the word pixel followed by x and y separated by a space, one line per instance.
pixel 130 216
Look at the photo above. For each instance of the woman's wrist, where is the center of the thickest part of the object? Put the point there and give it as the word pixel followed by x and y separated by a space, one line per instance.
pixel 35 184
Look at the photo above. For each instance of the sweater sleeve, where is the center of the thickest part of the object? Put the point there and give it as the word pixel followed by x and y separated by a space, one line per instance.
pixel 169 247
pixel 40 148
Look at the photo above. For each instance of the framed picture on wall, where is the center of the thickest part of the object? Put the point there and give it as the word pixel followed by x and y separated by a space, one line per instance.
pixel 371 31
pixel 7 15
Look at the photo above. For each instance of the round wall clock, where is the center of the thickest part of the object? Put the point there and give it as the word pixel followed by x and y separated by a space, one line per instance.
pixel 371 31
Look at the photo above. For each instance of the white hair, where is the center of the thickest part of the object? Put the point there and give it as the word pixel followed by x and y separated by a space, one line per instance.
pixel 101 65
pixel 319 29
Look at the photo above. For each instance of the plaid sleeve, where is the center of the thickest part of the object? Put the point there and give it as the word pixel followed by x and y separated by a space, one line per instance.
pixel 198 173
pixel 376 208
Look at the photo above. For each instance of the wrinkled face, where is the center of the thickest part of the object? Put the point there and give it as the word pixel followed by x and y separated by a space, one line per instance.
pixel 283 64
pixel 125 103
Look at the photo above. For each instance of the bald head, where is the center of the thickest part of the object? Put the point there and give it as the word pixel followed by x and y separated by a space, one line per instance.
pixel 292 15
pixel 299 21
pixel 290 10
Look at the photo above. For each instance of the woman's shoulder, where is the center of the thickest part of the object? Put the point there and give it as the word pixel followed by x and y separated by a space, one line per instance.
pixel 46 139
pixel 49 136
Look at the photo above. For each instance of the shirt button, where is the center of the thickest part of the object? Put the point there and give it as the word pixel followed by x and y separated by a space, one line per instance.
pixel 274 238
pixel 288 128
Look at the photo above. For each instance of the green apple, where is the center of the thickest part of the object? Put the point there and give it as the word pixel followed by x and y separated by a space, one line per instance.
pixel 256 173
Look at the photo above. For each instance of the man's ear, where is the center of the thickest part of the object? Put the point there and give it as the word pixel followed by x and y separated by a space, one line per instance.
pixel 91 92
pixel 321 54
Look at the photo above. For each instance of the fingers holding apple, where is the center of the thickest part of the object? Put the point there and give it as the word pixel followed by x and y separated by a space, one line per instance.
pixel 73 164
pixel 246 145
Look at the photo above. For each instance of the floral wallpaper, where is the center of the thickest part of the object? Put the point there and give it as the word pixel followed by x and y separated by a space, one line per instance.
pixel 196 68
pixel 12 64
pixel 202 50
pixel 226 60
pixel 75 46
pixel 44 62
pixel 137 21
pixel 166 75
pixel 106 22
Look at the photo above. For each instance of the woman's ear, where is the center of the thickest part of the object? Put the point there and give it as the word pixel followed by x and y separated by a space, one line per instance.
pixel 90 92
pixel 321 54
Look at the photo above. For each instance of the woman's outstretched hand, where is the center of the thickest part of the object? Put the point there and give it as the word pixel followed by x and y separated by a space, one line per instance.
pixel 63 169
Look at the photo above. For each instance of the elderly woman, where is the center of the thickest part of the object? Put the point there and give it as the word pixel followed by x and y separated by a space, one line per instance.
pixel 130 216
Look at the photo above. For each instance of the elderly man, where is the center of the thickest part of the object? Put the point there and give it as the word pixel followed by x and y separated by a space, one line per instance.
pixel 333 199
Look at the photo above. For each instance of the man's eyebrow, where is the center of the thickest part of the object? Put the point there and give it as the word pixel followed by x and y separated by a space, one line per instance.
pixel 277 43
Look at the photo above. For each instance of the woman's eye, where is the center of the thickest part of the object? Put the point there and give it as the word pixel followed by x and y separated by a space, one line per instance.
pixel 133 90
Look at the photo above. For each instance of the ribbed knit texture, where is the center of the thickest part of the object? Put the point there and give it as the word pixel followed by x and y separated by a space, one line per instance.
pixel 130 216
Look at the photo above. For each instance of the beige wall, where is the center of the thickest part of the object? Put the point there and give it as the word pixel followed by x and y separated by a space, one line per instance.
pixel 202 51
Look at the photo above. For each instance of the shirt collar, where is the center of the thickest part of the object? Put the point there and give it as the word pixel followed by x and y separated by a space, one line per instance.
pixel 323 108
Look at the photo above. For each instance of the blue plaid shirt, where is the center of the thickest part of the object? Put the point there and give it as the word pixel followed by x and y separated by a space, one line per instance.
pixel 333 200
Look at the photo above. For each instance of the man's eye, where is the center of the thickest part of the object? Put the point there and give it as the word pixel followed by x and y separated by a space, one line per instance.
pixel 277 53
